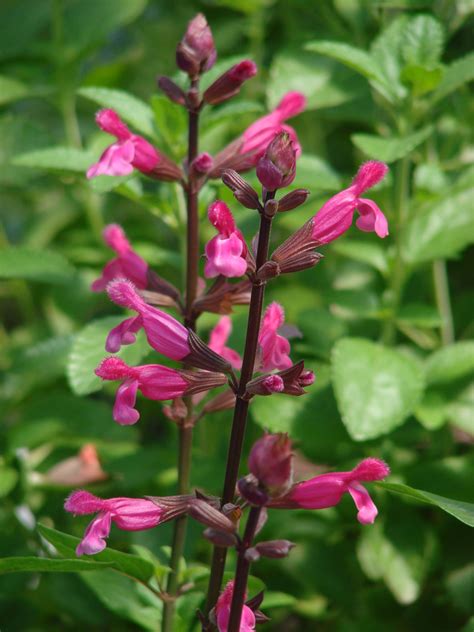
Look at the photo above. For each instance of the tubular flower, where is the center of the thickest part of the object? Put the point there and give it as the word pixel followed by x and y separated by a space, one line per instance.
pixel 335 216
pixel 129 152
pixel 81 469
pixel 274 348
pixel 130 514
pixel 326 490
pixel 165 334
pixel 247 622
pixel 217 339
pixel 226 252
pixel 153 380
pixel 127 264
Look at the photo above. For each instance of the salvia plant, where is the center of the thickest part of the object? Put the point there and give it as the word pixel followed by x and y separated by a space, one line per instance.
pixel 245 184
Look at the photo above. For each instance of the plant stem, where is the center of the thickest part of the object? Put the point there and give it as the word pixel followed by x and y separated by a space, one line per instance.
pixel 185 429
pixel 242 571
pixel 398 272
pixel 443 301
pixel 239 421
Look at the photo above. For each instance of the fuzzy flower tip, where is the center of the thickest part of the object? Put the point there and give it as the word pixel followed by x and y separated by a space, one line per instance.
pixel 164 333
pixel 130 514
pixel 129 152
pixel 153 380
pixel 247 622
pixel 335 216
pixel 127 263
pixel 327 490
pixel 226 252
pixel 217 342
pixel 274 348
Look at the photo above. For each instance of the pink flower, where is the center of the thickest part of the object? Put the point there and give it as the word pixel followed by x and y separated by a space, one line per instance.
pixel 229 83
pixel 80 469
pixel 130 514
pixel 165 334
pixel 127 264
pixel 153 380
pixel 275 349
pixel 226 252
pixel 326 490
pixel 259 135
pixel 247 622
pixel 217 339
pixel 129 152
pixel 335 216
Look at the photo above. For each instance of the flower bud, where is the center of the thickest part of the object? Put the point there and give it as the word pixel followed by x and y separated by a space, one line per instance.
pixel 229 84
pixel 277 168
pixel 172 90
pixel 292 200
pixel 196 52
pixel 242 191
pixel 201 511
pixel 202 164
pixel 253 493
pixel 269 270
pixel 252 555
pixel 271 208
pixel 274 548
pixel 220 538
pixel 270 461
pixel 265 385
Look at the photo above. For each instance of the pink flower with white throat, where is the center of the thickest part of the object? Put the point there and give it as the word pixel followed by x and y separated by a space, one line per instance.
pixel 164 333
pixel 335 216
pixel 274 348
pixel 217 342
pixel 222 612
pixel 129 152
pixel 127 263
pixel 326 490
pixel 226 252
pixel 129 514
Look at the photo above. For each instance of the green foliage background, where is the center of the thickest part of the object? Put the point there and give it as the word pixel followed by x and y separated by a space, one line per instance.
pixel 386 80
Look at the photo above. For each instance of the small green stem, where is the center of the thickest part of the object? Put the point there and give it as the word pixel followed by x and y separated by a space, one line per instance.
pixel 443 301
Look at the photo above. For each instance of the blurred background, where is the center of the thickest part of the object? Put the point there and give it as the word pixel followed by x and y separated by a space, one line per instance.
pixel 385 80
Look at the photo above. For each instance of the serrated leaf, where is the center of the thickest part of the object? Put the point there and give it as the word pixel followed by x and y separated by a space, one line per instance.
pixel 423 40
pixel 35 265
pixel 171 124
pixel 355 58
pixel 392 148
pixel 88 349
pixel 461 510
pixel 366 252
pixel 422 79
pixel 376 388
pixel 450 363
pixel 46 565
pixel 277 413
pixel 131 565
pixel 57 159
pixel 130 108
pixel 440 228
pixel 315 173
pixel 386 51
pixel 456 75
pixel 12 89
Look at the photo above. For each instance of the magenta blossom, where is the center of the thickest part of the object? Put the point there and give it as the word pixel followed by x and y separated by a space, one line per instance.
pixel 223 605
pixel 153 380
pixel 164 333
pixel 274 348
pixel 335 216
pixel 127 264
pixel 217 339
pixel 129 152
pixel 130 514
pixel 226 252
pixel 326 490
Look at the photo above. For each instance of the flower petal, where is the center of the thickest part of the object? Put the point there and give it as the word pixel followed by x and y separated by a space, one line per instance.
pixel 371 218
pixel 94 537
pixel 124 412
pixel 364 503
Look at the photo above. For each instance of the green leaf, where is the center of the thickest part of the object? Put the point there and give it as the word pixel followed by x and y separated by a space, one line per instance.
pixel 355 58
pixel 456 75
pixel 130 108
pixel 460 412
pixel 125 563
pixel 376 388
pixel 87 22
pixel 431 411
pixel 422 79
pixel 419 315
pixel 450 363
pixel 459 584
pixel 35 265
pixel 277 413
pixel 20 21
pixel 12 89
pixel 441 227
pixel 317 174
pixel 46 565
pixel 386 51
pixel 390 149
pixel 423 41
pixel 8 480
pixel 171 124
pixel 461 510
pixel 370 253
pixel 57 159
pixel 88 350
